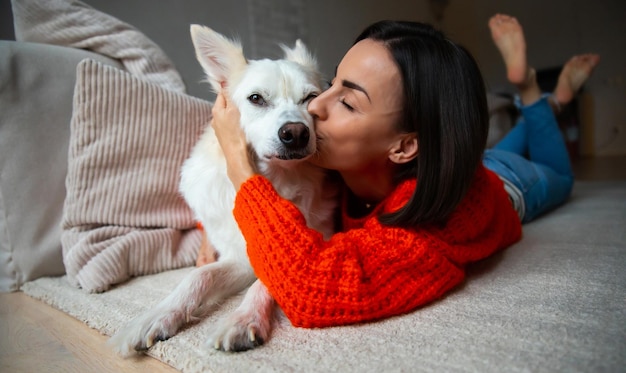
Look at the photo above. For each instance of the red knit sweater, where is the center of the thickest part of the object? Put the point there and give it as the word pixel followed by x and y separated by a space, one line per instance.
pixel 368 271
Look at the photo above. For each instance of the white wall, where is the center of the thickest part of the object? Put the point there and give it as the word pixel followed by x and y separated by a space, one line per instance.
pixel 555 31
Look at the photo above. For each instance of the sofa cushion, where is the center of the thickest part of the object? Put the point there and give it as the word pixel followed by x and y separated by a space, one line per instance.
pixel 36 88
pixel 72 23
pixel 37 83
pixel 123 214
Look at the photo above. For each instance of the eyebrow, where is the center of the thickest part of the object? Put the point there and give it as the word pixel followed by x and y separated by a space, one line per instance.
pixel 352 85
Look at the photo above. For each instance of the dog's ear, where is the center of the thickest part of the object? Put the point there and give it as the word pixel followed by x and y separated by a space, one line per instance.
pixel 300 54
pixel 218 55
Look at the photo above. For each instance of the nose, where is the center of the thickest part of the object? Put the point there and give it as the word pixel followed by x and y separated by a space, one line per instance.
pixel 317 106
pixel 294 135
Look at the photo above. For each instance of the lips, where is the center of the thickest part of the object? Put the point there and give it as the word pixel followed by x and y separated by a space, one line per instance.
pixel 290 155
pixel 293 155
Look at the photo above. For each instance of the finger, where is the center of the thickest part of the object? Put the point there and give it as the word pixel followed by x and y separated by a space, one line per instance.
pixel 226 99
pixel 220 101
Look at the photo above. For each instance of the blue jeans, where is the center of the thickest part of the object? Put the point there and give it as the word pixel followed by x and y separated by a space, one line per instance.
pixel 534 158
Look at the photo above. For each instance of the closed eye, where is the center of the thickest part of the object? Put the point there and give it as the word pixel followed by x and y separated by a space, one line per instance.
pixel 342 100
pixel 347 106
pixel 309 97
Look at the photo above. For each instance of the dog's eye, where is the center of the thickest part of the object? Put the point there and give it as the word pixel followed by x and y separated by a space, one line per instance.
pixel 309 97
pixel 257 99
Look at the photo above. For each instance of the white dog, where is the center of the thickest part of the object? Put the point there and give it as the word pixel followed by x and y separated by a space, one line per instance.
pixel 272 97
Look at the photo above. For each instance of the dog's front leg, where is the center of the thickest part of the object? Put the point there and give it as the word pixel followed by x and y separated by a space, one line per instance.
pixel 249 325
pixel 200 289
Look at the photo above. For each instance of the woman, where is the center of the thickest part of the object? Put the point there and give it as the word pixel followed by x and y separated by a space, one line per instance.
pixel 404 124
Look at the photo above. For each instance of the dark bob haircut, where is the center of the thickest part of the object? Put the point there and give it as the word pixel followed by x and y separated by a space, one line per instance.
pixel 446 106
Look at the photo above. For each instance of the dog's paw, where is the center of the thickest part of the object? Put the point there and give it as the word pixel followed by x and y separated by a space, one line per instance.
pixel 144 331
pixel 240 332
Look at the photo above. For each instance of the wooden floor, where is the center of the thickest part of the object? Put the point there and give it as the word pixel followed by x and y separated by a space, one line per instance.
pixel 38 338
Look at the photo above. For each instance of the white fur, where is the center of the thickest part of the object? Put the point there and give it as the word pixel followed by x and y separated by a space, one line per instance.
pixel 285 86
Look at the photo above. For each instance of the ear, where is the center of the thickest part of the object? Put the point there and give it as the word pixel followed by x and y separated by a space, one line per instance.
pixel 217 55
pixel 301 55
pixel 405 149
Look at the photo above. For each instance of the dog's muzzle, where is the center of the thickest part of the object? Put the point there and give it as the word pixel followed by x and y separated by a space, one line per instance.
pixel 295 137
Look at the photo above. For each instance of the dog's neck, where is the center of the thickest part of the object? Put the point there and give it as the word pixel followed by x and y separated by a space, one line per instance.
pixel 297 180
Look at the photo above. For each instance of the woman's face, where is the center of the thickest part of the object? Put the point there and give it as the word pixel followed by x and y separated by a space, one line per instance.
pixel 357 118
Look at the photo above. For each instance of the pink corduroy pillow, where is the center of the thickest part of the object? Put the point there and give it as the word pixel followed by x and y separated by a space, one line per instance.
pixel 123 215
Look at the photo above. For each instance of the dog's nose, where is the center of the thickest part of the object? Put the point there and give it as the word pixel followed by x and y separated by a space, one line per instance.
pixel 294 135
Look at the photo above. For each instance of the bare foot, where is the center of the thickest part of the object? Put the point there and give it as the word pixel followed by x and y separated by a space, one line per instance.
pixel 508 36
pixel 574 74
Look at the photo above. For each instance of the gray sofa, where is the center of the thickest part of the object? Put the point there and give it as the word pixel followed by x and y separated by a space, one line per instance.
pixel 37 87
pixel 38 78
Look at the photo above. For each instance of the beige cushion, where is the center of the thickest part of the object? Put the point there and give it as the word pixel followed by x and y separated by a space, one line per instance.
pixel 123 214
pixel 37 77
pixel 72 23
pixel 36 88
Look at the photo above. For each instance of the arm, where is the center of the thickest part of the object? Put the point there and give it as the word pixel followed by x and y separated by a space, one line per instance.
pixel 363 274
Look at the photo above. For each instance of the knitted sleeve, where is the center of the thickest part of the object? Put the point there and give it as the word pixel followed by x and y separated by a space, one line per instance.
pixel 363 274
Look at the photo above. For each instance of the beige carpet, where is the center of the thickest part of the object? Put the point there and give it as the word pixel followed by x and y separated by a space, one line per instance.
pixel 554 302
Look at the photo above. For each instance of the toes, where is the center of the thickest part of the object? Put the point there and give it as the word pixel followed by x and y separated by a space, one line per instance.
pixel 145 345
pixel 503 22
pixel 238 337
pixel 241 342
pixel 246 345
pixel 143 332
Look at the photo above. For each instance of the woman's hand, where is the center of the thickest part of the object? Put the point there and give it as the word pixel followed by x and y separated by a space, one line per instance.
pixel 232 139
